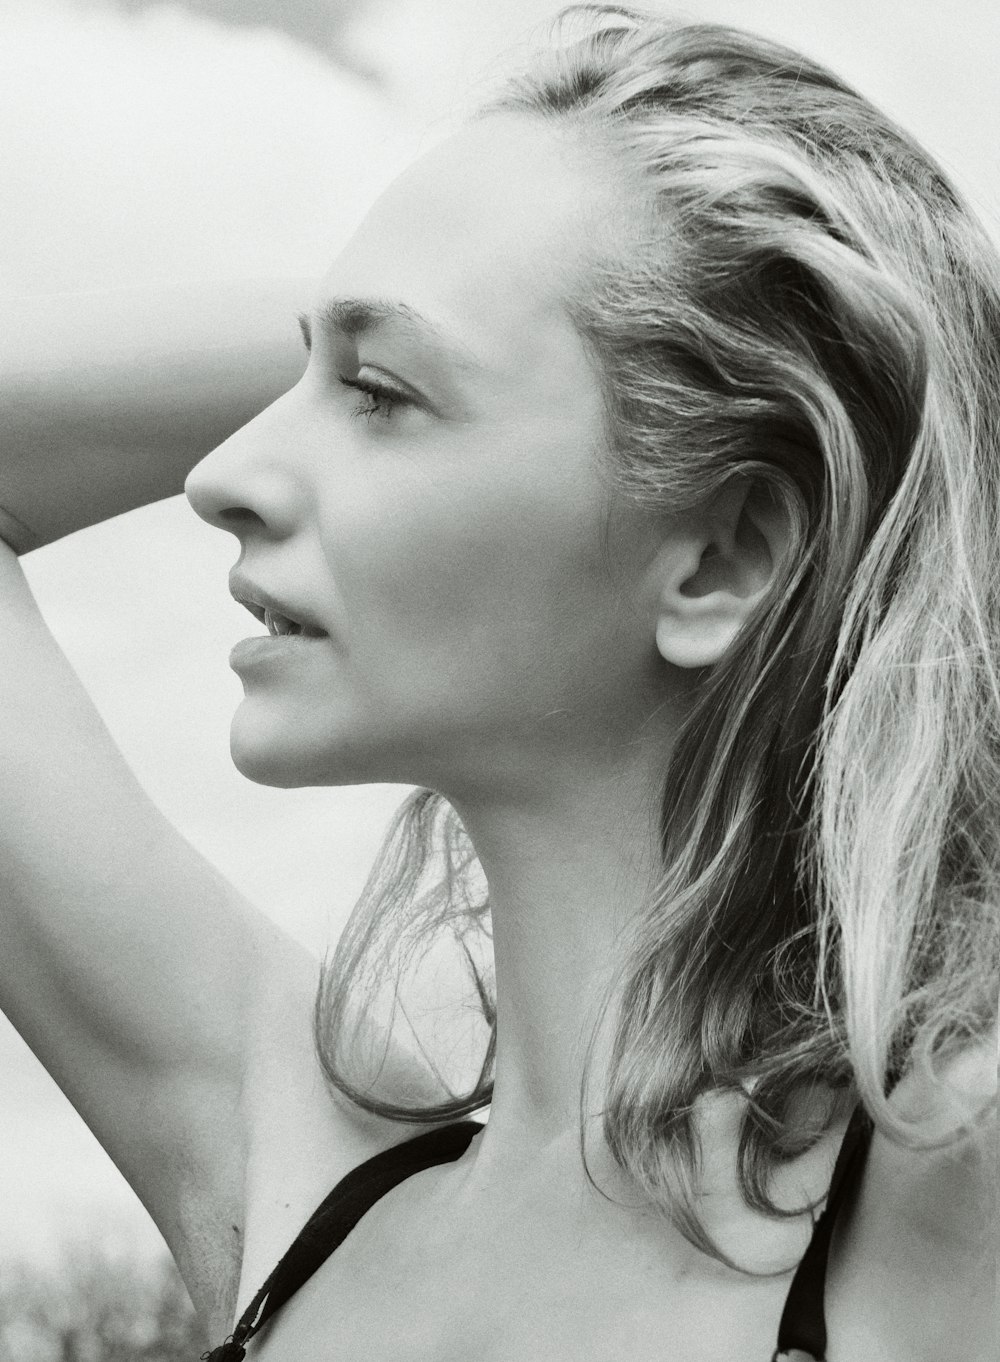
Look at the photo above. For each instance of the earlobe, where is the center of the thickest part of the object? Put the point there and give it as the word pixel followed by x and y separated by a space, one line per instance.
pixel 696 631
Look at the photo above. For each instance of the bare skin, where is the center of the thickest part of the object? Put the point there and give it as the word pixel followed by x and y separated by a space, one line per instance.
pixel 108 400
pixel 492 620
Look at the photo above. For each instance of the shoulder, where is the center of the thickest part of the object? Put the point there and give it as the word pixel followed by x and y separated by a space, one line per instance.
pixel 305 1136
pixel 914 1273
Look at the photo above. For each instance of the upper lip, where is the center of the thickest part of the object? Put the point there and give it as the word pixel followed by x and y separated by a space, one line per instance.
pixel 255 599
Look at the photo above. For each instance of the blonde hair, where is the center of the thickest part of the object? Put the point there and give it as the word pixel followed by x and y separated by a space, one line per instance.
pixel 807 304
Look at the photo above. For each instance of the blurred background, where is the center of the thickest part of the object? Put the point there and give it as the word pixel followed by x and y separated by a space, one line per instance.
pixel 149 142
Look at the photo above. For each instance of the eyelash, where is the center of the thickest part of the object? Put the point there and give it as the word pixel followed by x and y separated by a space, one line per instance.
pixel 381 401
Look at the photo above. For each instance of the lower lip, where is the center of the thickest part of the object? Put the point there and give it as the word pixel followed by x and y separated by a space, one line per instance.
pixel 250 651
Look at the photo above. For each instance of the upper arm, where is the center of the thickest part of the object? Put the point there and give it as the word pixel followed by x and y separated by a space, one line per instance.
pixel 174 1014
pixel 137 973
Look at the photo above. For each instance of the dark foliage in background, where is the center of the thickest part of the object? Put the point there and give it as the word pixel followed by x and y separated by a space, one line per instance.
pixel 97 1308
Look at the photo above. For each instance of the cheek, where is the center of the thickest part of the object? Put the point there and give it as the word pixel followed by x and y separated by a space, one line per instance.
pixel 480 591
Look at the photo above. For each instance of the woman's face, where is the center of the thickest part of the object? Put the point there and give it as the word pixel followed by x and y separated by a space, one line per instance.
pixel 429 501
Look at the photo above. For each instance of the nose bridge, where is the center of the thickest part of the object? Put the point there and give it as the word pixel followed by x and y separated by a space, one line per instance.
pixel 249 477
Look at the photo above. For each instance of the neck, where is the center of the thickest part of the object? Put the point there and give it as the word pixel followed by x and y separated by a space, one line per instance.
pixel 567 876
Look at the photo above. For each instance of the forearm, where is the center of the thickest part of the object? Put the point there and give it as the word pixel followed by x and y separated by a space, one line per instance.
pixel 108 400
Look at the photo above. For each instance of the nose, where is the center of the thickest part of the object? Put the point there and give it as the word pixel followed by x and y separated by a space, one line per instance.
pixel 244 484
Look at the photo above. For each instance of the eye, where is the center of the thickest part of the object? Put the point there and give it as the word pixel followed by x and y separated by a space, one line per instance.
pixel 374 399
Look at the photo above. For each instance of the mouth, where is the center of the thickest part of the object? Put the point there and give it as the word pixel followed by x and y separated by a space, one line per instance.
pixel 281 624
pixel 277 618
pixel 278 624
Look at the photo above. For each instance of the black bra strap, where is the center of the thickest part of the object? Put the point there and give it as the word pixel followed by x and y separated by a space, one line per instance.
pixel 802 1331
pixel 335 1217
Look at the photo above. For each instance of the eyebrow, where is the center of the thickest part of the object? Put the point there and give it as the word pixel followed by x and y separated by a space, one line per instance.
pixel 356 317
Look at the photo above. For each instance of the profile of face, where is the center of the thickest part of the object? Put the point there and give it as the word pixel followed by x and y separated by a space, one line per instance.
pixel 431 500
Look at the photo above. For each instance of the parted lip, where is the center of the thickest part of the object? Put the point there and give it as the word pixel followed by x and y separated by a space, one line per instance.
pixel 255 599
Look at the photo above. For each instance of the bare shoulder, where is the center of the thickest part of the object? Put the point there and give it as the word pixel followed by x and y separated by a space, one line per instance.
pixel 914 1275
pixel 303 1135
pixel 174 1014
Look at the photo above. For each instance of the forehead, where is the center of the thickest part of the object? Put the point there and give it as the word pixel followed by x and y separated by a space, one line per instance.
pixel 487 234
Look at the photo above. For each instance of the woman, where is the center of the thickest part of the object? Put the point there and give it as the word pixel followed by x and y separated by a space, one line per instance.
pixel 638 501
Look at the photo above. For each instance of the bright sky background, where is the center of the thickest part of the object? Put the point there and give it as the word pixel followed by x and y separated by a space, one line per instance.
pixel 143 141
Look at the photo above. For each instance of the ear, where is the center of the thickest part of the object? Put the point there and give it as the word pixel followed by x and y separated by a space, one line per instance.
pixel 716 567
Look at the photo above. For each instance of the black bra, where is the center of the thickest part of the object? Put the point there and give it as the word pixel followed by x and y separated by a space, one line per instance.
pixel 801 1333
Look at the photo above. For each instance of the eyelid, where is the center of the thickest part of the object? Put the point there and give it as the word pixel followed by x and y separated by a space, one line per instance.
pixel 393 387
pixel 368 377
pixel 375 388
pixel 401 390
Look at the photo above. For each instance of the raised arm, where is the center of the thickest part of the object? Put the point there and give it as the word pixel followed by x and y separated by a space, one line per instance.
pixel 108 400
pixel 172 1012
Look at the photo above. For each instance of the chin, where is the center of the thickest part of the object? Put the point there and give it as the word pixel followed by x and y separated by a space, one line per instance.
pixel 266 768
pixel 286 757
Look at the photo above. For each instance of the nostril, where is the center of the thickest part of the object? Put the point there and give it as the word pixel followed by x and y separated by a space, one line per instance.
pixel 239 518
pixel 234 519
pixel 244 486
pixel 214 502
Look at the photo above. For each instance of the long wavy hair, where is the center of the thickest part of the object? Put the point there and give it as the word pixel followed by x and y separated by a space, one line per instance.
pixel 807 303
